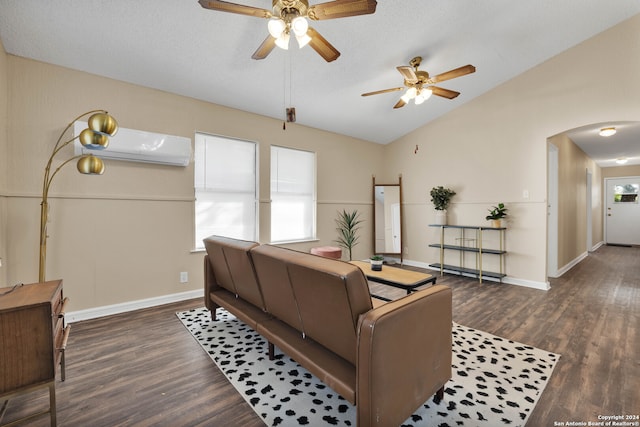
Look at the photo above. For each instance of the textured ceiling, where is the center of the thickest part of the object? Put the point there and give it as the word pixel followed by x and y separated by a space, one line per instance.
pixel 179 47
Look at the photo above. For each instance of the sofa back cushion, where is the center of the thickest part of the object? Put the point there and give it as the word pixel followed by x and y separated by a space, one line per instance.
pixel 232 267
pixel 321 297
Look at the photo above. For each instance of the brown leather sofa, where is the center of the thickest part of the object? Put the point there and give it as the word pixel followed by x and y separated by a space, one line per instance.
pixel 387 360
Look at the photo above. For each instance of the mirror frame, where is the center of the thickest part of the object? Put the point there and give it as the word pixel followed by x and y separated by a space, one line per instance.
pixel 373 187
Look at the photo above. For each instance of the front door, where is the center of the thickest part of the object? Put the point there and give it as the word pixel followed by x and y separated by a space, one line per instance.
pixel 622 216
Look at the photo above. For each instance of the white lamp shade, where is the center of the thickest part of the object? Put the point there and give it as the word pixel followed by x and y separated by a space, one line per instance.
pixel 300 26
pixel 283 41
pixel 423 96
pixel 303 40
pixel 276 27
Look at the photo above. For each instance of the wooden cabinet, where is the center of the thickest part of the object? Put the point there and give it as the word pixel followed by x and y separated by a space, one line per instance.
pixel 33 337
pixel 471 239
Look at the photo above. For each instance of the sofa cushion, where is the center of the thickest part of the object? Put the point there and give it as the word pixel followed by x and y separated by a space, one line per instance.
pixel 327 295
pixel 232 267
pixel 276 288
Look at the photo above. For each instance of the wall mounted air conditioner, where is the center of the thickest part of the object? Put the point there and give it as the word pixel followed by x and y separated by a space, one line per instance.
pixel 140 146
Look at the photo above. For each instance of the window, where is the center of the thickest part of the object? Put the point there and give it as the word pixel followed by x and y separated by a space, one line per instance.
pixel 293 195
pixel 225 188
pixel 627 193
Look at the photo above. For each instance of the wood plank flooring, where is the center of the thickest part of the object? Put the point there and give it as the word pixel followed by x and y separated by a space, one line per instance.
pixel 144 369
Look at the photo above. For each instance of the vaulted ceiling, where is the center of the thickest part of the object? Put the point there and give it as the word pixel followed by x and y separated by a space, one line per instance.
pixel 180 47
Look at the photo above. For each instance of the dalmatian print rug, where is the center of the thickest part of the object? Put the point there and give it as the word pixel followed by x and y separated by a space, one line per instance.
pixel 495 381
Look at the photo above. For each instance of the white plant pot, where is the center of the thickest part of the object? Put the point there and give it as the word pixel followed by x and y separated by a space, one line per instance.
pixel 376 265
pixel 441 217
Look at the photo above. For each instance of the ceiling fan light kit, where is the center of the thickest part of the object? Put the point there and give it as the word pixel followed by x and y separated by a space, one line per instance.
pixel 286 16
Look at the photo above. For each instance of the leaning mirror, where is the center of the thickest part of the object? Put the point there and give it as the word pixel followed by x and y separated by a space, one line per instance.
pixel 387 218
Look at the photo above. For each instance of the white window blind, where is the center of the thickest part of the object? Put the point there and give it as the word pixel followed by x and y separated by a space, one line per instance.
pixel 225 188
pixel 293 194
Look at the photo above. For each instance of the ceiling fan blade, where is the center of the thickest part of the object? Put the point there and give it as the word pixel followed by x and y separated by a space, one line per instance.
pixel 467 69
pixel 395 89
pixel 408 73
pixel 225 6
pixel 265 48
pixel 400 103
pixel 322 46
pixel 445 93
pixel 341 9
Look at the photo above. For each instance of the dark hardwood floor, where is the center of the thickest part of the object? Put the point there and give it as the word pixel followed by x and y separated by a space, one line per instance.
pixel 144 369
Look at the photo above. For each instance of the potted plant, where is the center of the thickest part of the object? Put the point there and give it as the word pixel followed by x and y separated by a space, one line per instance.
pixel 496 214
pixel 376 262
pixel 348 226
pixel 441 197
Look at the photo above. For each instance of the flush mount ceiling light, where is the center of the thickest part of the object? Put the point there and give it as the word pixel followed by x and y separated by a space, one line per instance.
pixel 607 131
pixel 621 160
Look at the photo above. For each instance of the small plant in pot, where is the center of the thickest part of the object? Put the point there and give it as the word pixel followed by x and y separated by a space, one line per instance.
pixel 496 214
pixel 441 197
pixel 376 262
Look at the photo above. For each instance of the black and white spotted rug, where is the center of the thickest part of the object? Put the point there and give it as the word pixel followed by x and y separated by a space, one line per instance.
pixel 495 381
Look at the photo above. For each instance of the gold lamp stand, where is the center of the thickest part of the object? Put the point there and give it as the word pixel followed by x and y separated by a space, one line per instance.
pixel 96 137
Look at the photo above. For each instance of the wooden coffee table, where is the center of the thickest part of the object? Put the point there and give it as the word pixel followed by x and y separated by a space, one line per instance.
pixel 408 280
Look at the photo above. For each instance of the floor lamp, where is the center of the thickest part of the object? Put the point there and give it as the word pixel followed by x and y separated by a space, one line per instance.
pixel 96 137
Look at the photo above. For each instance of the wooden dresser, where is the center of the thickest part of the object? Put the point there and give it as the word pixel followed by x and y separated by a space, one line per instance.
pixel 33 337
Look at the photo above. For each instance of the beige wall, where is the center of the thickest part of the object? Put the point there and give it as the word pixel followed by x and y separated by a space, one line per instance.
pixel 126 235
pixel 494 147
pixel 573 165
pixel 621 171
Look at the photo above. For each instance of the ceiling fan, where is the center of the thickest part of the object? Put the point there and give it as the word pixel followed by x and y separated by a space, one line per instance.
pixel 420 86
pixel 287 16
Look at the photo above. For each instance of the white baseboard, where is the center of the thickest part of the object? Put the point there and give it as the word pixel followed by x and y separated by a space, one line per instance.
pixel 509 280
pixel 570 265
pixel 108 310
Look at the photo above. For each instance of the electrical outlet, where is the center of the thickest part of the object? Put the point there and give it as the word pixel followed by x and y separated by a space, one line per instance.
pixel 184 277
pixel 406 250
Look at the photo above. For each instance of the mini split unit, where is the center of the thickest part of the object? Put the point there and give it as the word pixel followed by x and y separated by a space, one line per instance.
pixel 140 146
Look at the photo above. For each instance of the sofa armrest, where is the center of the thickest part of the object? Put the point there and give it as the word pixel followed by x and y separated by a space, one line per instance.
pixel 403 355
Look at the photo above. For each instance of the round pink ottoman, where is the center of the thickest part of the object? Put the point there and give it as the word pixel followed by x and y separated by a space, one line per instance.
pixel 327 251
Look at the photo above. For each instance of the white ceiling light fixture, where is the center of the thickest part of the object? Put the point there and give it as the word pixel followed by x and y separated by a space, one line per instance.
pixel 607 131
pixel 418 95
pixel 622 160
pixel 300 27
pixel 280 29
pixel 276 27
pixel 423 95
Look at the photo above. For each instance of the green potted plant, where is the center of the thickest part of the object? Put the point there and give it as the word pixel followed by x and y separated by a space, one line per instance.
pixel 496 214
pixel 376 262
pixel 348 226
pixel 441 197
